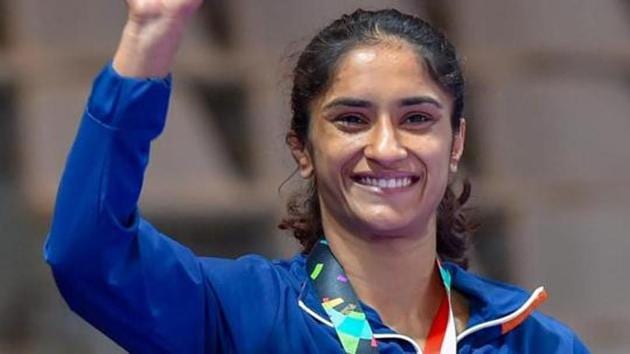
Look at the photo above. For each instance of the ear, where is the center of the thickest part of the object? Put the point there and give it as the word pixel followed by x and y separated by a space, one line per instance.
pixel 301 155
pixel 457 150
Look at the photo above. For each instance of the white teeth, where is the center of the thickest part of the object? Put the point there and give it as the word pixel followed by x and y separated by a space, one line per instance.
pixel 386 182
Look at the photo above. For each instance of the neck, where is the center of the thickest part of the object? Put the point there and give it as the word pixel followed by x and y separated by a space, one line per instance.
pixel 394 274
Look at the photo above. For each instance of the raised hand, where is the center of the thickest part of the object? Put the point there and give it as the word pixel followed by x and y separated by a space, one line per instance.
pixel 147 10
pixel 151 36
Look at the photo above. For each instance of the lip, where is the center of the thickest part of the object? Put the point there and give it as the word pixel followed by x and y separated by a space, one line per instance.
pixel 385 174
pixel 357 177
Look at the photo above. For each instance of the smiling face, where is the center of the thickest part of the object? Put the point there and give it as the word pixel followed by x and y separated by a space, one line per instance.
pixel 381 143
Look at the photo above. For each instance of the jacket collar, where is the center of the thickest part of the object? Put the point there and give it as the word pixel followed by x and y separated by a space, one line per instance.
pixel 311 304
pixel 495 308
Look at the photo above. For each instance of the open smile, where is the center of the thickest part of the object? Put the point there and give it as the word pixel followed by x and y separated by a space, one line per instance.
pixel 386 182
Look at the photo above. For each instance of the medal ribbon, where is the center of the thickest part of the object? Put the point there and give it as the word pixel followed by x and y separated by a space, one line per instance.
pixel 348 318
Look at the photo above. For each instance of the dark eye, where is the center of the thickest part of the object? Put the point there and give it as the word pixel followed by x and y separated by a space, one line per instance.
pixel 351 120
pixel 418 118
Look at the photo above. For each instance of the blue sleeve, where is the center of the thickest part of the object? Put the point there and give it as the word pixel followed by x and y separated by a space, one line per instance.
pixel 139 287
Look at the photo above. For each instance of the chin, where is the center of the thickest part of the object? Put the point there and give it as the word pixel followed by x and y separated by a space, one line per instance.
pixel 391 222
pixel 387 226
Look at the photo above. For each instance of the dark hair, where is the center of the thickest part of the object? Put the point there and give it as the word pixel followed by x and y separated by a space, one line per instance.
pixel 311 76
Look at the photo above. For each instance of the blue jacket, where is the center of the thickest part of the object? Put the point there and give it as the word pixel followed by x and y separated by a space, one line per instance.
pixel 150 294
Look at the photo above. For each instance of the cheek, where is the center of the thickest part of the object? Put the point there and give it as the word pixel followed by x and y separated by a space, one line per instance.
pixel 434 156
pixel 434 153
pixel 332 151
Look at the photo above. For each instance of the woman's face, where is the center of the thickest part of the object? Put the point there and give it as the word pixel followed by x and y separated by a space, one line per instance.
pixel 381 143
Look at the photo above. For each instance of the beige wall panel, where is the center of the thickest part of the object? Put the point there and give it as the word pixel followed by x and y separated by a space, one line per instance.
pixel 48 122
pixel 275 24
pixel 78 25
pixel 555 130
pixel 579 255
pixel 516 24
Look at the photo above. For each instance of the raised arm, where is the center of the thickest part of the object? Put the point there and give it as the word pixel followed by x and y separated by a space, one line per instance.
pixel 139 287
pixel 151 36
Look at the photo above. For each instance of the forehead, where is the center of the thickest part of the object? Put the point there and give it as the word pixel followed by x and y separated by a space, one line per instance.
pixel 381 72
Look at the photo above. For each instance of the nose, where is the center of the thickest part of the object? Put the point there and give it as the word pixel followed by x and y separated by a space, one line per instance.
pixel 384 144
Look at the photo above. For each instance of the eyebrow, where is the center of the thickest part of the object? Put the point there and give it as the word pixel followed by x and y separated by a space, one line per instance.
pixel 412 101
pixel 361 103
pixel 349 102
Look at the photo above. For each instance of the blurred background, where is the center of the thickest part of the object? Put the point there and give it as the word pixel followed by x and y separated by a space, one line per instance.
pixel 548 153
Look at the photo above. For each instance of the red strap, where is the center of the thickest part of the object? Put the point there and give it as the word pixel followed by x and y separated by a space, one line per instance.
pixel 438 329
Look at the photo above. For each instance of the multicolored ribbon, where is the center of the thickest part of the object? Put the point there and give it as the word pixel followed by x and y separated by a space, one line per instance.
pixel 348 318
pixel 339 301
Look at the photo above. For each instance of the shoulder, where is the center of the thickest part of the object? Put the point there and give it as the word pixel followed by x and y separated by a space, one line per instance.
pixel 249 295
pixel 547 334
pixel 501 310
pixel 253 270
pixel 253 282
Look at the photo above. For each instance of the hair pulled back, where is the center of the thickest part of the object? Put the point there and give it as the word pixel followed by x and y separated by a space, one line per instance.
pixel 311 77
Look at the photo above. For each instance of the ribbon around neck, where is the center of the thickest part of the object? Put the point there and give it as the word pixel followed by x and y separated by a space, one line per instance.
pixel 344 309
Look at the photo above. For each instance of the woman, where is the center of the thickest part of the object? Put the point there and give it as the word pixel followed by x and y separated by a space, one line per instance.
pixel 377 130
